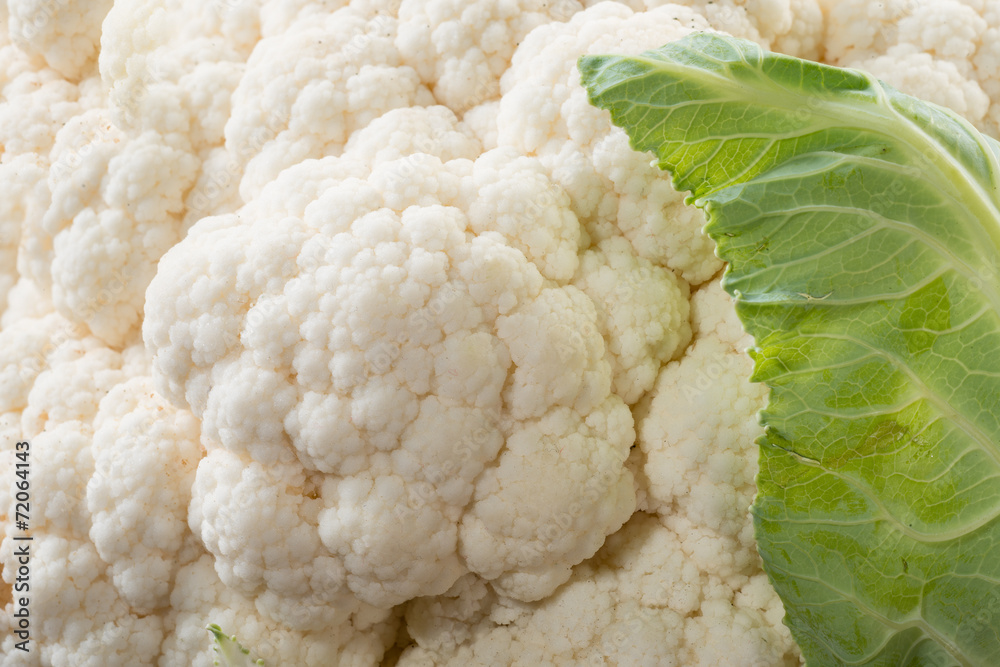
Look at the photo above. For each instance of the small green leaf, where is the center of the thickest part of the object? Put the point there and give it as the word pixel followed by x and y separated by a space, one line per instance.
pixel 229 652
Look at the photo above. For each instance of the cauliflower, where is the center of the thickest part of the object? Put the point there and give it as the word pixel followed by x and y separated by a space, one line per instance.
pixel 63 35
pixel 471 378
pixel 460 49
pixel 944 51
pixel 145 453
pixel 352 329
pixel 611 188
pixel 679 584
pixel 308 88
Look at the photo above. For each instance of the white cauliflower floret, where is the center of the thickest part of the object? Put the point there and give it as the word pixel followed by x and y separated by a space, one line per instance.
pixel 380 389
pixel 524 531
pixel 26 347
pixel 682 587
pixel 172 67
pixel 114 209
pixel 943 51
pixel 145 454
pixel 856 30
pixel 65 35
pixel 640 601
pixel 113 199
pixel 25 300
pixel 80 372
pixel 545 112
pixel 62 462
pixel 277 17
pixel 55 379
pixel 274 553
pixel 78 616
pixel 200 597
pixel 460 49
pixel 482 120
pixel 34 104
pixel 794 27
pixel 58 379
pixel 306 90
pixel 512 194
pixel 920 74
pixel 22 180
pixel 701 462
pixel 109 556
pixel 638 314
pixel 411 447
pixel 403 132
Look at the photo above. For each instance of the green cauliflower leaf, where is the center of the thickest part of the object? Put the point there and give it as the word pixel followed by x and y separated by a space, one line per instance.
pixel 862 231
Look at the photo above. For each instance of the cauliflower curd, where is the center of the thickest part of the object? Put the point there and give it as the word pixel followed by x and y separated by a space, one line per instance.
pixel 352 328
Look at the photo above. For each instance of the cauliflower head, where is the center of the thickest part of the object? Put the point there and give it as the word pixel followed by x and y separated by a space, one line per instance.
pixel 352 328
pixel 432 331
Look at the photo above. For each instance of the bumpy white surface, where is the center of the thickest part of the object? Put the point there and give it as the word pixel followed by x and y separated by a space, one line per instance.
pixel 409 326
pixel 353 328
